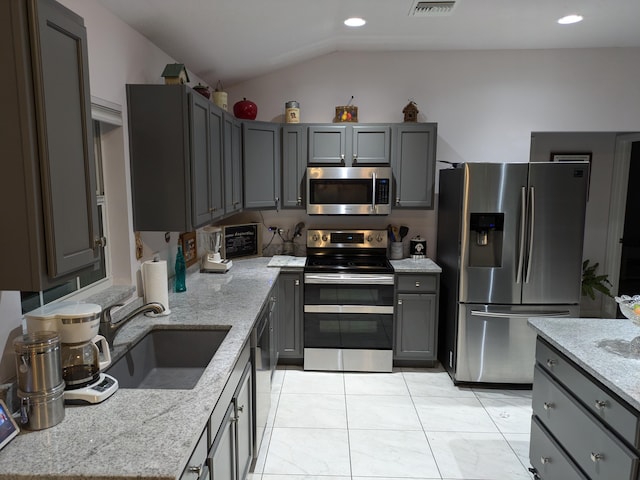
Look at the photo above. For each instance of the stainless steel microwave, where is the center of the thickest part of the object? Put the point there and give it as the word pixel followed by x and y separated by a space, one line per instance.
pixel 349 190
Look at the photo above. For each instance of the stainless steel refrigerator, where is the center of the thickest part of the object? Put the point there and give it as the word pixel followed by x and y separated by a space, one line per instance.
pixel 509 243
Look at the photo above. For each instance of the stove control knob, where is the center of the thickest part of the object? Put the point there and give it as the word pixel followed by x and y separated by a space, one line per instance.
pixel 324 238
pixel 379 238
pixel 370 238
pixel 315 237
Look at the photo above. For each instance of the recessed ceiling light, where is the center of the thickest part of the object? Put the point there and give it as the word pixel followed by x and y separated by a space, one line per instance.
pixel 570 19
pixel 354 22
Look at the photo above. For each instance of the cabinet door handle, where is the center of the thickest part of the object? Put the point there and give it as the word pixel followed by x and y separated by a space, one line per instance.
pixel 197 470
pixel 99 242
pixel 342 157
pixel 545 460
pixel 400 301
pixel 241 408
pixel 299 200
pixel 551 363
pixel 596 457
pixel 297 283
pixel 397 201
pixel 601 404
pixel 548 405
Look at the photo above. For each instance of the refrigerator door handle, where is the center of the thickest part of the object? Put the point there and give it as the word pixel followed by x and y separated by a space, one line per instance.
pixel 552 314
pixel 532 218
pixel 523 216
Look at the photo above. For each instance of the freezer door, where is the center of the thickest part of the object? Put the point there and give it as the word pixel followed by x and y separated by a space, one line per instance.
pixel 489 264
pixel 495 344
pixel 557 194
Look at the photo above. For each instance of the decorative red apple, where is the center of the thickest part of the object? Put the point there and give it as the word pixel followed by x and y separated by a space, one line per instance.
pixel 245 109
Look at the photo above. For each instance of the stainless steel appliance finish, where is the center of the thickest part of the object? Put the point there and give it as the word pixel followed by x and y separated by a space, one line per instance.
pixel 262 344
pixel 38 361
pixel 348 301
pixel 510 242
pixel 349 190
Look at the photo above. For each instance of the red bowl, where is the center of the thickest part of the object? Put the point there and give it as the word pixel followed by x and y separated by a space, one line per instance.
pixel 245 109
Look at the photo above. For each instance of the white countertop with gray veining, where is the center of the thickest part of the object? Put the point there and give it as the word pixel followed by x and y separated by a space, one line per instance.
pixel 418 265
pixel 287 261
pixel 150 434
pixel 600 347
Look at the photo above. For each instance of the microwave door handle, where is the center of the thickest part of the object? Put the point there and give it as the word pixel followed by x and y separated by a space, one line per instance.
pixel 373 192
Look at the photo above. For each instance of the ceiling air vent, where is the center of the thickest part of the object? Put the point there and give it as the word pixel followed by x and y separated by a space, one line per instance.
pixel 431 9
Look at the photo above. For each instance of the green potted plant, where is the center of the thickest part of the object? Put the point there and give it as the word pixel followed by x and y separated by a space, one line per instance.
pixel 592 282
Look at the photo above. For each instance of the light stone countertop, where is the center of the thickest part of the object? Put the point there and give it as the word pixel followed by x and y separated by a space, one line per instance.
pixel 600 347
pixel 150 434
pixel 410 265
pixel 287 261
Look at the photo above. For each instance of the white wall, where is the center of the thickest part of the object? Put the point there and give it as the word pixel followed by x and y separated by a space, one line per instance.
pixel 486 103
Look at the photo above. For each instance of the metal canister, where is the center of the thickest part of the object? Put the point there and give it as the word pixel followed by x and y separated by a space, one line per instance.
pixel 40 410
pixel 292 112
pixel 38 361
pixel 418 247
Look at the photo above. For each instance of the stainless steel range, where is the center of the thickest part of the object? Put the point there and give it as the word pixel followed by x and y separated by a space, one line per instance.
pixel 348 301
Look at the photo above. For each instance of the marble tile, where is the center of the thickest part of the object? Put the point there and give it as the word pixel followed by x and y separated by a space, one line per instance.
pixel 305 477
pixel 519 443
pixel 478 456
pixel 500 393
pixel 278 380
pixel 442 414
pixel 264 451
pixel 311 410
pixel 382 412
pixel 413 477
pixel 299 381
pixel 511 415
pixel 375 384
pixel 436 383
pixel 391 453
pixel 308 451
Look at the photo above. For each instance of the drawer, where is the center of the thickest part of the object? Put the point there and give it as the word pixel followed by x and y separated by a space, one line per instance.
pixel 602 404
pixel 546 456
pixel 197 468
pixel 417 283
pixel 592 447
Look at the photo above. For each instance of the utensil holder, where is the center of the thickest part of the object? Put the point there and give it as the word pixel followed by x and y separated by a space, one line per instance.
pixel 396 251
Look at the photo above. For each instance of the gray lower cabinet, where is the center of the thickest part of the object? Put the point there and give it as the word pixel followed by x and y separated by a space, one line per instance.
pixel 47 186
pixel 414 164
pixel 416 317
pixel 290 314
pixel 197 466
pixel 579 428
pixel 349 145
pixel 294 166
pixel 175 140
pixel 261 156
pixel 232 158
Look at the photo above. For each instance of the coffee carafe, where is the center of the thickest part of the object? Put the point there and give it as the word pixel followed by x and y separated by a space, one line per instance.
pixel 81 359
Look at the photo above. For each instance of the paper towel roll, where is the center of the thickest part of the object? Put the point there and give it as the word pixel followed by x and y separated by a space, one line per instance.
pixel 155 283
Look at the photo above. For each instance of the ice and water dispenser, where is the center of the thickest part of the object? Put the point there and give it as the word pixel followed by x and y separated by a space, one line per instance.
pixel 485 239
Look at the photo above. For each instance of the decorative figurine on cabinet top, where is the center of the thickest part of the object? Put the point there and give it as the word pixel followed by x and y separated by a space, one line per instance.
pixel 410 112
pixel 175 74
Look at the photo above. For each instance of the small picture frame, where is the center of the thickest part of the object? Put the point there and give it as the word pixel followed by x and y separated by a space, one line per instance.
pixel 8 426
pixel 189 248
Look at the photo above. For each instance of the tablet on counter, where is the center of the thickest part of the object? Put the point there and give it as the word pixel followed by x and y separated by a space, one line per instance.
pixel 8 426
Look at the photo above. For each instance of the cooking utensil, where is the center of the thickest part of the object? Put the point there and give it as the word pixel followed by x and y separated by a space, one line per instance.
pixel 403 232
pixel 396 234
pixel 390 233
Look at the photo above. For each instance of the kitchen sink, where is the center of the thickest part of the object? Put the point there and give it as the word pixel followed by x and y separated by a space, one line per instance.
pixel 168 358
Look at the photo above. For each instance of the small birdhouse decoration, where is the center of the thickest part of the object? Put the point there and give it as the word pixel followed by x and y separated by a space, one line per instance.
pixel 410 112
pixel 175 74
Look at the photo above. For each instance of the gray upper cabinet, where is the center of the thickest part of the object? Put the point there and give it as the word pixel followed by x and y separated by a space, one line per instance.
pixel 349 145
pixel 294 165
pixel 232 158
pixel 47 191
pixel 175 137
pixel 261 154
pixel 414 164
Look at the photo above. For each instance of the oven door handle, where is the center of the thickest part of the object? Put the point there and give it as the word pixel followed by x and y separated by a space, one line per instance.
pixel 342 279
pixel 379 309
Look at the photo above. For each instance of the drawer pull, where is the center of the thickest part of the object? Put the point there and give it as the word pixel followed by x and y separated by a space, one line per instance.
pixel 545 460
pixel 601 404
pixel 596 457
pixel 548 405
pixel 551 362
pixel 241 408
pixel 197 470
pixel 418 284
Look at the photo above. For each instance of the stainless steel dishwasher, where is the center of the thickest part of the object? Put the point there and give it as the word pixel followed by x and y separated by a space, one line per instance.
pixel 262 342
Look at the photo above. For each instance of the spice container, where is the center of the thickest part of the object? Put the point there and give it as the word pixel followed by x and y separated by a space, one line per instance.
pixel 292 112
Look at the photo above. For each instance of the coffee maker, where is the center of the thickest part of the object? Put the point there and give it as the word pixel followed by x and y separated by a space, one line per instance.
pixel 82 361
pixel 212 261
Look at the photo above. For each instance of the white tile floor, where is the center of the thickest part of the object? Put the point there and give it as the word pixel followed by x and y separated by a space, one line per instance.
pixel 412 423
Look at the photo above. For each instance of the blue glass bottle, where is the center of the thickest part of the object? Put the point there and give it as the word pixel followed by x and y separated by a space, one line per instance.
pixel 181 272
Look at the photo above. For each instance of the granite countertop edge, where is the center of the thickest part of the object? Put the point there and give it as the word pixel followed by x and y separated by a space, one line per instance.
pixel 405 265
pixel 582 340
pixel 150 433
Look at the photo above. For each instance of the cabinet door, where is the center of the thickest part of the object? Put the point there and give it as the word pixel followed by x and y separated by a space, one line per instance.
pixel 222 455
pixel 294 166
pixel 261 146
pixel 232 164
pixel 371 145
pixel 216 139
pixel 244 424
pixel 290 315
pixel 328 145
pixel 415 326
pixel 201 172
pixel 65 139
pixel 414 164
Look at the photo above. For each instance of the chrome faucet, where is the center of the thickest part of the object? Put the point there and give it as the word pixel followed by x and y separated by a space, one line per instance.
pixel 108 328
